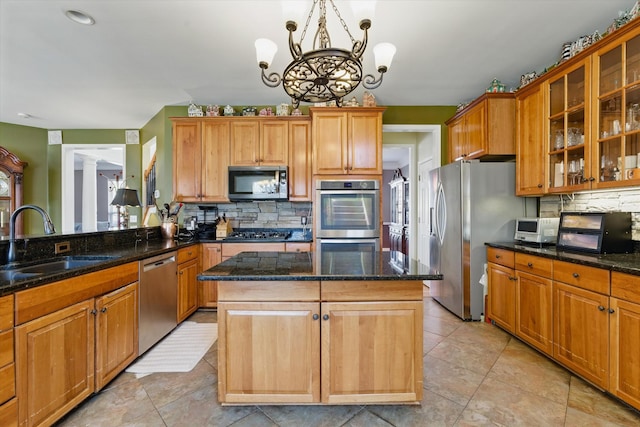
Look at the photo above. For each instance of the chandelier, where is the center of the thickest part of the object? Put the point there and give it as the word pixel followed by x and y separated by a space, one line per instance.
pixel 324 73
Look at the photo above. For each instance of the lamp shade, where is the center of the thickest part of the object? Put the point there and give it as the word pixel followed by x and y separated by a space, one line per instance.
pixel 126 197
pixel 383 53
pixel 265 51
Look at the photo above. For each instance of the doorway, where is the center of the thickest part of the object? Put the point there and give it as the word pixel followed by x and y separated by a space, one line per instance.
pixel 88 186
pixel 421 146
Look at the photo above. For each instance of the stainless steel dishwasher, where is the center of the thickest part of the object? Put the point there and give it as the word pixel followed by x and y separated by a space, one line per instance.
pixel 158 299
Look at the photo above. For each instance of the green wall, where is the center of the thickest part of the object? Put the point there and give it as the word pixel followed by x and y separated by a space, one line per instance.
pixel 30 145
pixel 43 175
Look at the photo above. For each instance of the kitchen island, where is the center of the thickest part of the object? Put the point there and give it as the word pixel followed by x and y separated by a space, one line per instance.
pixel 297 329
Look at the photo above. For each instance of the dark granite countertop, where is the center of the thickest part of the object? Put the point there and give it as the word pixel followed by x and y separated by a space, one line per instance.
pixel 625 263
pixel 306 266
pixel 121 255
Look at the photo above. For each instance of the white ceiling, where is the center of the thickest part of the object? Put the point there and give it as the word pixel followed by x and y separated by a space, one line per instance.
pixel 144 54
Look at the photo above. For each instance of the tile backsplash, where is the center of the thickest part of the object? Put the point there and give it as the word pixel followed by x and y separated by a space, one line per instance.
pixel 255 214
pixel 627 200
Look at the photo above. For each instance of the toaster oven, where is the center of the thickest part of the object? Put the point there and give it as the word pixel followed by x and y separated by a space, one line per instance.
pixel 537 230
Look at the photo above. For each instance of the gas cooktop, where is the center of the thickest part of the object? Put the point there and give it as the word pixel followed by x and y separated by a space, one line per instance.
pixel 241 235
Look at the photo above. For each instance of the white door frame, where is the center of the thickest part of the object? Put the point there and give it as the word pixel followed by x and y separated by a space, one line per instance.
pixel 68 181
pixel 419 153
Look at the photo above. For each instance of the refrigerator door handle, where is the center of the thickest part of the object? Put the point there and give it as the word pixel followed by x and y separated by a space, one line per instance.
pixel 441 214
pixel 431 221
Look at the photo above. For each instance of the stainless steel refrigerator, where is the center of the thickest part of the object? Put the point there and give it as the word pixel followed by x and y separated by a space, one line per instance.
pixel 470 203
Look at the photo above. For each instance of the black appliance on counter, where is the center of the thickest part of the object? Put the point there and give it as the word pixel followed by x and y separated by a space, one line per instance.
pixel 595 232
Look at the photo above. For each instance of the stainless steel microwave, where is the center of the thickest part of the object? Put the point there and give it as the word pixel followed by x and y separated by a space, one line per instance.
pixel 537 230
pixel 255 183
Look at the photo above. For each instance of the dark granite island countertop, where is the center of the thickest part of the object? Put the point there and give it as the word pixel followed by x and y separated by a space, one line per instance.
pixel 275 309
pixel 278 266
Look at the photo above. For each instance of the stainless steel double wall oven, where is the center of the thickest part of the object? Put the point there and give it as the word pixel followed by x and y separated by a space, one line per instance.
pixel 347 220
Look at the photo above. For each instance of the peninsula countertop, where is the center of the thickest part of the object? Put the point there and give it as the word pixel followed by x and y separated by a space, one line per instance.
pixel 266 266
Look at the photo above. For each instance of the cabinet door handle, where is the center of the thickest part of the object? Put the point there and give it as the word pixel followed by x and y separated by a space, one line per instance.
pixel 592 179
pixel 611 311
pixel 181 272
pixel 601 308
pixel 104 310
pixel 94 312
pixel 575 275
pixel 530 265
pixel 325 317
pixel 539 185
pixel 513 278
pixel 316 316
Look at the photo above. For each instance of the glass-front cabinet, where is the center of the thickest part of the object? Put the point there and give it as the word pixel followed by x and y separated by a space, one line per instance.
pixel 617 81
pixel 568 154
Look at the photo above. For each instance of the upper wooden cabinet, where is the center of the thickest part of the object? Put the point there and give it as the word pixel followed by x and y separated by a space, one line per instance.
pixel 200 160
pixel 529 150
pixel 347 140
pixel 300 160
pixel 259 142
pixel 567 112
pixel 484 128
pixel 582 119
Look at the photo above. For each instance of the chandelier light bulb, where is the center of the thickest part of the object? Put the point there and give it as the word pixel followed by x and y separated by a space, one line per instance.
pixel 383 53
pixel 265 51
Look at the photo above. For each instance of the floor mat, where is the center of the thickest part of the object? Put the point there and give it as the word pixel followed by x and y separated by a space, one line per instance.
pixel 179 351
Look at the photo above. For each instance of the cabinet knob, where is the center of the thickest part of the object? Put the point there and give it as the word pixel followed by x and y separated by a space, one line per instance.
pixel 513 278
pixel 575 275
pixel 94 312
pixel 498 256
pixel 104 310
pixel 592 179
pixel 325 317
pixel 316 316
pixel 601 308
pixel 539 185
pixel 530 265
pixel 181 272
pixel 611 311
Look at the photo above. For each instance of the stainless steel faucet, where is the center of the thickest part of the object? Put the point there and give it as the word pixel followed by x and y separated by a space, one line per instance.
pixel 48 228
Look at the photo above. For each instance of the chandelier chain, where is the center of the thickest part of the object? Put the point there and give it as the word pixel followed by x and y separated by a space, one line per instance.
pixel 323 14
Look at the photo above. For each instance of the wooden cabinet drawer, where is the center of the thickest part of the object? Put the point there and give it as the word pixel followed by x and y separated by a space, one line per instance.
pixel 9 414
pixel 534 264
pixel 6 312
pixel 625 286
pixel 373 290
pixel 582 276
pixel 501 256
pixel 7 382
pixel 239 290
pixel 231 249
pixel 297 247
pixel 186 254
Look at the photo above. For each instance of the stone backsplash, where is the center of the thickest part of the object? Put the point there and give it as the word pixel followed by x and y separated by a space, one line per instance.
pixel 255 214
pixel 627 200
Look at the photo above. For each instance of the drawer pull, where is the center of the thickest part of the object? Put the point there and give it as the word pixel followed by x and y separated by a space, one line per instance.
pixel 530 265
pixel 513 278
pixel 498 257
pixel 601 308
pixel 576 275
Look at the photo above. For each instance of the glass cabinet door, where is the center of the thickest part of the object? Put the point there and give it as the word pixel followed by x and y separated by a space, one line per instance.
pixel 567 150
pixel 618 121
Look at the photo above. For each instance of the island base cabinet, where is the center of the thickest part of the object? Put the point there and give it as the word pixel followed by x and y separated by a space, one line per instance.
pixel 371 352
pixel 271 352
pixel 50 379
pixel 9 413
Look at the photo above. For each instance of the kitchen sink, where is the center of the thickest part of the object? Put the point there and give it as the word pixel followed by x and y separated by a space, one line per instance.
pixel 53 266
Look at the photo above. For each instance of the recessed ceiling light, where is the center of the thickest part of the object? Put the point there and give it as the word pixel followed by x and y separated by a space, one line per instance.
pixel 24 115
pixel 80 17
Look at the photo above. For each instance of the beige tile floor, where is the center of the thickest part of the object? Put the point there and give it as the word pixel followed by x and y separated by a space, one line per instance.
pixel 474 375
